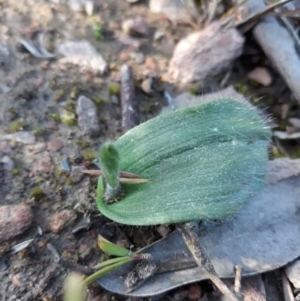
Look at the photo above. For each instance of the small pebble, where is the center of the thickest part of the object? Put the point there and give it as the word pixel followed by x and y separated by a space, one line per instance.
pixel 194 291
pixel 114 25
pixel 124 56
pixel 61 220
pixel 83 55
pixel 138 57
pixel 163 230
pixel 8 163
pixel 43 164
pixel 14 220
pixel 158 35
pixel 135 26
pixel 65 165
pixel 147 85
pixel 174 10
pixel 21 137
pixel 123 243
pixel 114 100
pixel 130 42
pixel 77 174
pixel 88 119
pixel 205 53
pixel 152 66
pixel 261 75
pixel 54 145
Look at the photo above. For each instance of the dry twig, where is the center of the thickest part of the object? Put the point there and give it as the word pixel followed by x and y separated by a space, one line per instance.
pixel 127 98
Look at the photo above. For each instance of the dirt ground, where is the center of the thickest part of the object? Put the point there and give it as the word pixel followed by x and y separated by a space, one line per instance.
pixel 33 94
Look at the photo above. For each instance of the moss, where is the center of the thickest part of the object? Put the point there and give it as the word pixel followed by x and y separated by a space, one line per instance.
pixel 68 182
pixel 15 171
pixel 70 105
pixel 38 131
pixel 74 93
pixel 276 153
pixel 39 180
pixel 296 154
pixel 17 126
pixel 36 192
pixel 97 31
pixel 193 90
pixel 90 155
pixel 99 101
pixel 148 108
pixel 52 84
pixel 58 95
pixel 241 88
pixel 82 143
pixel 58 173
pixel 68 118
pixel 113 89
pixel 55 117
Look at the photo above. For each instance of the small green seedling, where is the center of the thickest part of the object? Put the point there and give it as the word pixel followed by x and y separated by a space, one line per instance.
pixel 75 284
pixel 107 266
pixel 202 162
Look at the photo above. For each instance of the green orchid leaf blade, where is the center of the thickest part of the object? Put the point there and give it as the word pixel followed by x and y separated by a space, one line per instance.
pixel 92 278
pixel 109 162
pixel 109 262
pixel 111 248
pixel 203 162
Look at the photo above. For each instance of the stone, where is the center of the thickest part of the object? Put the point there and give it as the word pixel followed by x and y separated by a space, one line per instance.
pixel 8 163
pixel 133 43
pixel 14 220
pixel 194 291
pixel 21 137
pixel 147 85
pixel 54 145
pixel 76 173
pixel 282 168
pixel 84 55
pixel 163 230
pixel 4 54
pixel 174 10
pixel 158 35
pixel 138 57
pixel 261 75
pixel 204 54
pixel 60 220
pixel 43 164
pixel 88 119
pixel 152 66
pixel 135 26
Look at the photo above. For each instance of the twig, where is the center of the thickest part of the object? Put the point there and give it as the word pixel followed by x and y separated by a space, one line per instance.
pixel 287 290
pixel 189 232
pixel 237 279
pixel 278 46
pixel 69 264
pixel 291 29
pixel 127 98
pixel 258 14
pixel 254 288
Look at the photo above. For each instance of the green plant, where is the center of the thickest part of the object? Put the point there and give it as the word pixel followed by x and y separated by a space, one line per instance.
pixel 97 30
pixel 203 162
pixel 75 285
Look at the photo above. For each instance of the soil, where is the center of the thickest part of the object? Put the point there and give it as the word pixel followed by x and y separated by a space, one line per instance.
pixel 34 91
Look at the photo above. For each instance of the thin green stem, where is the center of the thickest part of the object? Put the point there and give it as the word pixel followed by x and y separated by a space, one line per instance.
pixel 87 281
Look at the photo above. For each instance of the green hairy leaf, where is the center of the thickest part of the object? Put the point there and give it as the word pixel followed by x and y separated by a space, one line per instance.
pixel 202 162
pixel 109 162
